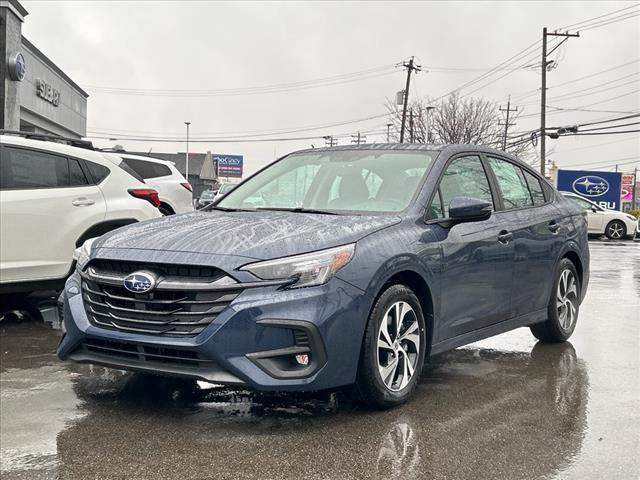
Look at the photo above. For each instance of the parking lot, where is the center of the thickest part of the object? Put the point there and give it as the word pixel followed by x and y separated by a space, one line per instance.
pixel 503 408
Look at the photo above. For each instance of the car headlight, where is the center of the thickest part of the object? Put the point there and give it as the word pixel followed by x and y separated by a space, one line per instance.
pixel 81 254
pixel 304 270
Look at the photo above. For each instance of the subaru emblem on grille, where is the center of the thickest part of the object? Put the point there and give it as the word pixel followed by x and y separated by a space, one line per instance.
pixel 139 282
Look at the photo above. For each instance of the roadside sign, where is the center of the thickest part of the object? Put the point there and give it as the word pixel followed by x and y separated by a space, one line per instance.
pixel 602 188
pixel 229 165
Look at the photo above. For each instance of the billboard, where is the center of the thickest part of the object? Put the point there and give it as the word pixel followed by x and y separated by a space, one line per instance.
pixel 229 165
pixel 602 188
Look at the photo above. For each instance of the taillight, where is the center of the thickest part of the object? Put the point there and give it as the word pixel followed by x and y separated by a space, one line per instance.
pixel 187 185
pixel 148 194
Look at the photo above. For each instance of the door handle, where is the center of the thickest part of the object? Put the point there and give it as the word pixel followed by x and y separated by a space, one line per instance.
pixel 82 202
pixel 553 226
pixel 505 237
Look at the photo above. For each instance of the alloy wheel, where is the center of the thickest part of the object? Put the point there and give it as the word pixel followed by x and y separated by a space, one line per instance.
pixel 616 230
pixel 567 299
pixel 398 346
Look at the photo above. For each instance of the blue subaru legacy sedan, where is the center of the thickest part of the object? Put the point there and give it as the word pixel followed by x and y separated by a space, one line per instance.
pixel 333 267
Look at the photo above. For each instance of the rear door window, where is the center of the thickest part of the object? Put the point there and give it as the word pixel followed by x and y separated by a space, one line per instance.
pixel 535 188
pixel 98 172
pixel 464 177
pixel 76 175
pixel 514 188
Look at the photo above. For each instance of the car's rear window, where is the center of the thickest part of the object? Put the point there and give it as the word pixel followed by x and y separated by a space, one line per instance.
pixel 147 169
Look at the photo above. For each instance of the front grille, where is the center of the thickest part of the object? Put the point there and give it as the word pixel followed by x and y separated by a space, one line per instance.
pixel 185 308
pixel 144 353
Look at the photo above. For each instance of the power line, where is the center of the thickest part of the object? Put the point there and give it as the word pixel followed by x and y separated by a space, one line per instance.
pixel 612 20
pixel 513 59
pixel 567 27
pixel 528 93
pixel 600 133
pixel 258 133
pixel 275 88
pixel 594 146
pixel 571 96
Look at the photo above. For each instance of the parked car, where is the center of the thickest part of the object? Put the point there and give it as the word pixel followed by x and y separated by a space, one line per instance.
pixel 612 223
pixel 225 188
pixel 53 197
pixel 636 236
pixel 206 198
pixel 353 266
pixel 175 192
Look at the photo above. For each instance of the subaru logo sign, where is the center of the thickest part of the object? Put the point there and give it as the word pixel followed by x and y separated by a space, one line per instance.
pixel 17 67
pixel 590 186
pixel 139 282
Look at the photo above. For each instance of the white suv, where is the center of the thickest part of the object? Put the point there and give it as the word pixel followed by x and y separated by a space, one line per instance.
pixel 53 197
pixel 614 224
pixel 175 192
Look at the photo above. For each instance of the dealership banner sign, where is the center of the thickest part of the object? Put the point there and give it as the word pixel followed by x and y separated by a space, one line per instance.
pixel 628 181
pixel 602 188
pixel 229 165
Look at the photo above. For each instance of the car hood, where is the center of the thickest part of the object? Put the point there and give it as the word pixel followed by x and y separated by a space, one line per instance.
pixel 256 235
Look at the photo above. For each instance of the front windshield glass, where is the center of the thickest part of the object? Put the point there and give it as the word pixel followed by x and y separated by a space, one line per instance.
pixel 226 187
pixel 335 180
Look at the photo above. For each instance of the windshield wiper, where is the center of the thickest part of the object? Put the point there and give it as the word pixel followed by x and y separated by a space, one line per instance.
pixel 227 209
pixel 299 210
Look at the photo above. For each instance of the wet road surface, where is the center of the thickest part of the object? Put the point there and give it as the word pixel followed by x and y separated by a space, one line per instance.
pixel 504 408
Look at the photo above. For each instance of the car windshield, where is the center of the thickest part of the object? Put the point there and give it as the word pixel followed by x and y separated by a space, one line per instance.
pixel 207 194
pixel 335 181
pixel 227 187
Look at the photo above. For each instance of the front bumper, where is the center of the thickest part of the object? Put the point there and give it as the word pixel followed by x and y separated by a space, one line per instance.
pixel 252 342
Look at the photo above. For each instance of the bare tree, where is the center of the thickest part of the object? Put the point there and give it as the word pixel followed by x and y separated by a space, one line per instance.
pixel 454 120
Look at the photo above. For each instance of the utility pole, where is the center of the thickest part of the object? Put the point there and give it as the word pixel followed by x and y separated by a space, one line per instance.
pixel 388 131
pixel 506 124
pixel 411 125
pixel 633 188
pixel 411 67
pixel 358 139
pixel 186 169
pixel 329 141
pixel 543 96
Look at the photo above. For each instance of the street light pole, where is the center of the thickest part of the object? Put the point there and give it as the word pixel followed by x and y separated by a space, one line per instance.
pixel 428 133
pixel 186 169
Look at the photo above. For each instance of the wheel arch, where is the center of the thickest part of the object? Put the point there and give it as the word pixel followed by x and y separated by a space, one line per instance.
pixel 102 228
pixel 164 203
pixel 571 252
pixel 416 281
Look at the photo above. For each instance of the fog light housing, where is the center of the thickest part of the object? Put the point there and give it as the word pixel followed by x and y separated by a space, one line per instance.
pixel 302 359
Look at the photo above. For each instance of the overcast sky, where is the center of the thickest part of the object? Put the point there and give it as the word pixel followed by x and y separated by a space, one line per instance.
pixel 209 45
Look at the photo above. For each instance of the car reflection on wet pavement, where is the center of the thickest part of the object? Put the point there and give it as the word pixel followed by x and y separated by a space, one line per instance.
pixel 505 408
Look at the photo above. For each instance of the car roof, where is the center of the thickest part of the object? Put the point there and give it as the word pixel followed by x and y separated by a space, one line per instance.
pixel 449 148
pixel 59 148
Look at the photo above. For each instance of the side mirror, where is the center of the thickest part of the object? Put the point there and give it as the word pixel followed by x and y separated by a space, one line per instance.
pixel 594 209
pixel 468 209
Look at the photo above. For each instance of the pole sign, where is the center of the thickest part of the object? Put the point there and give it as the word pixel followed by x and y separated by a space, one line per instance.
pixel 627 186
pixel 602 188
pixel 229 165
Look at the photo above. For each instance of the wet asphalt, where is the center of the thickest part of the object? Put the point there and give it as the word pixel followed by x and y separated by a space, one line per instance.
pixel 504 408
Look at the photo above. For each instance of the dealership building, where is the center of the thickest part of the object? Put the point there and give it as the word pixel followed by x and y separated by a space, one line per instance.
pixel 36 95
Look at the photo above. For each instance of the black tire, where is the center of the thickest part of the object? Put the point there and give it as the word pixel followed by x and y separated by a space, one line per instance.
pixel 558 327
pixel 369 383
pixel 616 230
pixel 165 210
